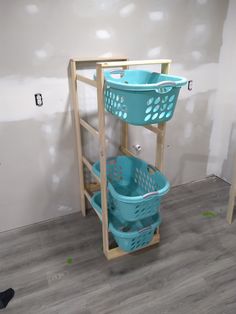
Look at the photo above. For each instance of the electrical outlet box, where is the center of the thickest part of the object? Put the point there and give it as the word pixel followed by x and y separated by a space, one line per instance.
pixel 38 100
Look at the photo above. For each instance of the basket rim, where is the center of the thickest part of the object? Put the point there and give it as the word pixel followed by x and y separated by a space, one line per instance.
pixel 179 80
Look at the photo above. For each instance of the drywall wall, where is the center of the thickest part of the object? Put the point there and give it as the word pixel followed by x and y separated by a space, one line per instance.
pixel 223 136
pixel 38 174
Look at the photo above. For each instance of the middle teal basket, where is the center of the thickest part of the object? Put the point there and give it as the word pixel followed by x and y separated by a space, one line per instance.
pixel 135 187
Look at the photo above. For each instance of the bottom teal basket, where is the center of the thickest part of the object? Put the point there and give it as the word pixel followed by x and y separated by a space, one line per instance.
pixel 130 236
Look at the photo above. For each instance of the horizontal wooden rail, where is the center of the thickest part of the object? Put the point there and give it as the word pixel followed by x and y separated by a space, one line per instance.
pixel 86 193
pixel 87 163
pixel 90 201
pixel 93 187
pixel 154 129
pixel 95 60
pixel 86 80
pixel 91 63
pixel 88 127
pixel 127 152
pixel 130 63
pixel 90 168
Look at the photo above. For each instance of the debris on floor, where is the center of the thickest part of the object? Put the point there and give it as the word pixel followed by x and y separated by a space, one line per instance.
pixel 209 214
pixel 69 260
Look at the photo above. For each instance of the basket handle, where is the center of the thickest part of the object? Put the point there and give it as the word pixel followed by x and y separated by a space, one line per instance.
pixel 166 83
pixel 121 72
pixel 161 191
pixel 145 229
pixel 152 168
pixel 150 194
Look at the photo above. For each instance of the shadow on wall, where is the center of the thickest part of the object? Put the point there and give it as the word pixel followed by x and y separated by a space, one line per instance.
pixel 37 174
pixel 91 144
pixel 62 184
pixel 229 162
pixel 188 137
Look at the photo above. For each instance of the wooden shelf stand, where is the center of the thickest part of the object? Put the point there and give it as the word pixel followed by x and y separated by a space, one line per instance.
pixel 85 190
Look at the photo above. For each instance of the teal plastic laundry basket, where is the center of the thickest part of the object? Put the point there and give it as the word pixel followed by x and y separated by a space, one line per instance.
pixel 135 187
pixel 141 97
pixel 130 236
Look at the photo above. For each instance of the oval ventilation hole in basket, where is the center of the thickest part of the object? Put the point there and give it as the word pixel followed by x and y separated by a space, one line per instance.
pixel 148 109
pixel 156 108
pixel 150 101
pixel 170 106
pixel 169 113
pixel 147 117
pixel 155 116
pixel 172 97
pixel 162 115
pixel 157 100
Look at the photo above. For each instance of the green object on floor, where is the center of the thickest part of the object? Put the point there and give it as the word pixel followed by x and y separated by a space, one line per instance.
pixel 69 260
pixel 209 214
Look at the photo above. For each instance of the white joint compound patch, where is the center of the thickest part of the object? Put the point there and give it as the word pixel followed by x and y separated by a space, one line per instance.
pixel 127 10
pixel 156 15
pixel 103 34
pixel 32 8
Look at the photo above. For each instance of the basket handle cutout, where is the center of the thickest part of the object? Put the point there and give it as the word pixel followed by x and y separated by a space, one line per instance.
pixel 166 84
pixel 164 87
pixel 145 229
pixel 118 74
pixel 150 194
pixel 151 169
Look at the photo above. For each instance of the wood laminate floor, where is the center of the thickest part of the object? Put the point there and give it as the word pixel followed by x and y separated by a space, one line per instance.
pixel 193 270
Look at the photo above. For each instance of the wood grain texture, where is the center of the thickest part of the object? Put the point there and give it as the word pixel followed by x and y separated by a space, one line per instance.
pixel 193 270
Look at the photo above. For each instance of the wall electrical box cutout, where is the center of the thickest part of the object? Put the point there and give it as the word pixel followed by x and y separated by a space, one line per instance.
pixel 38 100
pixel 190 85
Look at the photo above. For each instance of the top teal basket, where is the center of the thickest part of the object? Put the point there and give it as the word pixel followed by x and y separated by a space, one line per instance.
pixel 141 97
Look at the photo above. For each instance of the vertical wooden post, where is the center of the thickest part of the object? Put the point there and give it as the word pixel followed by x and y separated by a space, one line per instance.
pixel 160 141
pixel 102 153
pixel 75 106
pixel 160 147
pixel 230 209
pixel 124 135
pixel 232 195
